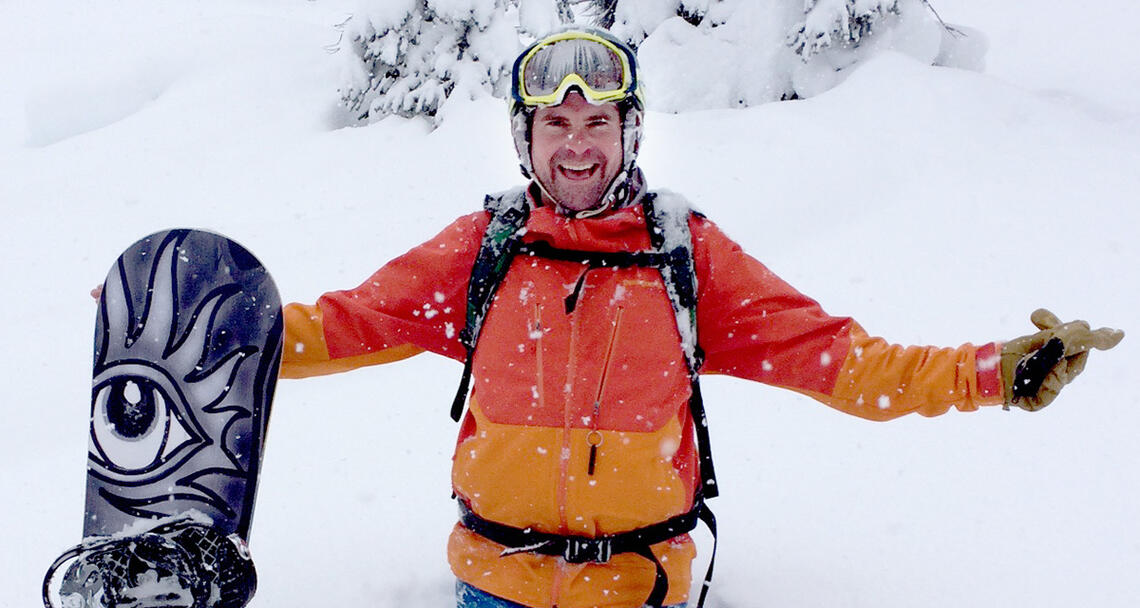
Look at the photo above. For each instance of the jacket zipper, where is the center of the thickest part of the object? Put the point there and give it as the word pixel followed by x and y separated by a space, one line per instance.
pixel 537 332
pixel 594 437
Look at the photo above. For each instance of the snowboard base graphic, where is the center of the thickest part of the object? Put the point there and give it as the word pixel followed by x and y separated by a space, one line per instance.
pixel 187 348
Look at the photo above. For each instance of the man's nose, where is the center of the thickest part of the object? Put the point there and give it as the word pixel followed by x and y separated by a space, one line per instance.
pixel 577 141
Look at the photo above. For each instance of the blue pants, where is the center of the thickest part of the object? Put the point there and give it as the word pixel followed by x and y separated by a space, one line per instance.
pixel 467 596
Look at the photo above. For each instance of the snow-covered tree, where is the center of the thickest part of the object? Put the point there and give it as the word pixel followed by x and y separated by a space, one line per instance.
pixel 734 53
pixel 407 57
pixel 835 35
pixel 843 22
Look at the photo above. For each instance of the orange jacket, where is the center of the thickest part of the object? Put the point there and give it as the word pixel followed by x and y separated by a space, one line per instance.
pixel 521 457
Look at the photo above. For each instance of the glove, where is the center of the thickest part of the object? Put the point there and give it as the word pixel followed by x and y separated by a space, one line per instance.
pixel 1034 368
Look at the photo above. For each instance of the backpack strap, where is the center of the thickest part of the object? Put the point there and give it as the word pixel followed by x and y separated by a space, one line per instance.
pixel 509 211
pixel 667 217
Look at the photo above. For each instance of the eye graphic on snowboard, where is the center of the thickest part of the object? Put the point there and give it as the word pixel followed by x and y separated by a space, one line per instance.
pixel 180 369
pixel 139 425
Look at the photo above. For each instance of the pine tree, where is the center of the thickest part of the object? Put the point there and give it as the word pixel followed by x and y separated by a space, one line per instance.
pixel 843 22
pixel 407 60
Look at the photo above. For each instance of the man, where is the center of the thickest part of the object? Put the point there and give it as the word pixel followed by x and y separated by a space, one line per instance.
pixel 582 460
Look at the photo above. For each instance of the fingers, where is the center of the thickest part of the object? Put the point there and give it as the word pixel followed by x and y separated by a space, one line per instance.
pixel 1101 339
pixel 1075 365
pixel 1106 338
pixel 1049 390
pixel 1061 375
pixel 1078 336
pixel 1044 319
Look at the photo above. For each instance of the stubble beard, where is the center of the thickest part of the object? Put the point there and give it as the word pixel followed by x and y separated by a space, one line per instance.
pixel 574 195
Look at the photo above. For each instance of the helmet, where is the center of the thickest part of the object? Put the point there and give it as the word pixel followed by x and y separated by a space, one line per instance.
pixel 600 66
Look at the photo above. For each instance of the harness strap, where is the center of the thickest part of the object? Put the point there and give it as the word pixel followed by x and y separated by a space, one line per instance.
pixel 464 387
pixel 709 488
pixel 582 549
pixel 709 519
pixel 597 259
pixel 592 260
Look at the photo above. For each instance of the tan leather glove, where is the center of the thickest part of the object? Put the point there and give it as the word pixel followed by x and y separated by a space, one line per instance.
pixel 1034 368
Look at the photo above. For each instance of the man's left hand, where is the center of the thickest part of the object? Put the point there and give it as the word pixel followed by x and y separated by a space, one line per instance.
pixel 1034 368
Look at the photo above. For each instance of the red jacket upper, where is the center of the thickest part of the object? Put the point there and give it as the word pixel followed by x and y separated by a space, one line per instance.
pixel 547 384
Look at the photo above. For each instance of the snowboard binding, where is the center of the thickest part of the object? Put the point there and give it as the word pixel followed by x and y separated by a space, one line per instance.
pixel 181 562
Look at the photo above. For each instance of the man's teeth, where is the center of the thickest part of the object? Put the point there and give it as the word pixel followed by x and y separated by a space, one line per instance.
pixel 578 167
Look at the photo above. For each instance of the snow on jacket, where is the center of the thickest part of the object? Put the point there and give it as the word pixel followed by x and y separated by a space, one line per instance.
pixel 522 454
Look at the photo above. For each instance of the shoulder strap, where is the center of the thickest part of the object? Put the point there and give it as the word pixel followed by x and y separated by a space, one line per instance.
pixel 509 212
pixel 667 216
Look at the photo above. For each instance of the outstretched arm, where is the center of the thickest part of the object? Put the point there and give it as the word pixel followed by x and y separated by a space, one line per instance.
pixel 414 303
pixel 754 325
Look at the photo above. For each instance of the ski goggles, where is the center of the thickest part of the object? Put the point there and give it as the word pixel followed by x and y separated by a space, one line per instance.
pixel 602 70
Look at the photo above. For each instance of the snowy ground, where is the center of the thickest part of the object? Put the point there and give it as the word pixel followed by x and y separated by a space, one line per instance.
pixel 935 206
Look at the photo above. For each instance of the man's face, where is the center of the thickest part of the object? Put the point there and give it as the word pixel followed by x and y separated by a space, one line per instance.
pixel 576 150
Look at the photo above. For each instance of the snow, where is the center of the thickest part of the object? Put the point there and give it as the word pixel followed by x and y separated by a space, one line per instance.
pixel 934 205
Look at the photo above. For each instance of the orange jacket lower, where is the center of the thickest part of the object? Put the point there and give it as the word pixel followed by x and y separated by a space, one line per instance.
pixel 547 384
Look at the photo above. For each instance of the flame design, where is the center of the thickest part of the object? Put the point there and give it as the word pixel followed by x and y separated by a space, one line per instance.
pixel 177 398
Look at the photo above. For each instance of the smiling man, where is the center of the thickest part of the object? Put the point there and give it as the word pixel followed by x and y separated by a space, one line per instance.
pixel 574 303
pixel 576 151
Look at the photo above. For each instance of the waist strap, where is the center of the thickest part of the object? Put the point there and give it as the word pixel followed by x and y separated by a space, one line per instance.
pixel 582 549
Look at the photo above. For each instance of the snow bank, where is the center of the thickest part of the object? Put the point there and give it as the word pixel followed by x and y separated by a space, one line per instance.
pixel 935 205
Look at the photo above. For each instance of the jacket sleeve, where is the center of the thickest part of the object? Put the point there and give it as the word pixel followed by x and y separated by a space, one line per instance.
pixel 754 325
pixel 414 303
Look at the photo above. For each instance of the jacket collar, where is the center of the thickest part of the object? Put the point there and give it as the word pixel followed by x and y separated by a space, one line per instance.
pixel 620 229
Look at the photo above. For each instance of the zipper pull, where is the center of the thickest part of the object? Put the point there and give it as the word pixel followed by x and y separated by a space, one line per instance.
pixel 571 301
pixel 594 439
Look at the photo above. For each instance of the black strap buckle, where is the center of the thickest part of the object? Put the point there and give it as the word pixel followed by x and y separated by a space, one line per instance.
pixel 580 550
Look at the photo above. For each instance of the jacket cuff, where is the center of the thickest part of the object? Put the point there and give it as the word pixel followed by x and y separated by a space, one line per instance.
pixel 987 365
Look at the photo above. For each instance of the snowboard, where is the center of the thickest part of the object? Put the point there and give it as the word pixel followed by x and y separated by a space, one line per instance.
pixel 187 348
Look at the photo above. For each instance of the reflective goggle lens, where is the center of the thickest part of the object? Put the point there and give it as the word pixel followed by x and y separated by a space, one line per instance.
pixel 597 65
